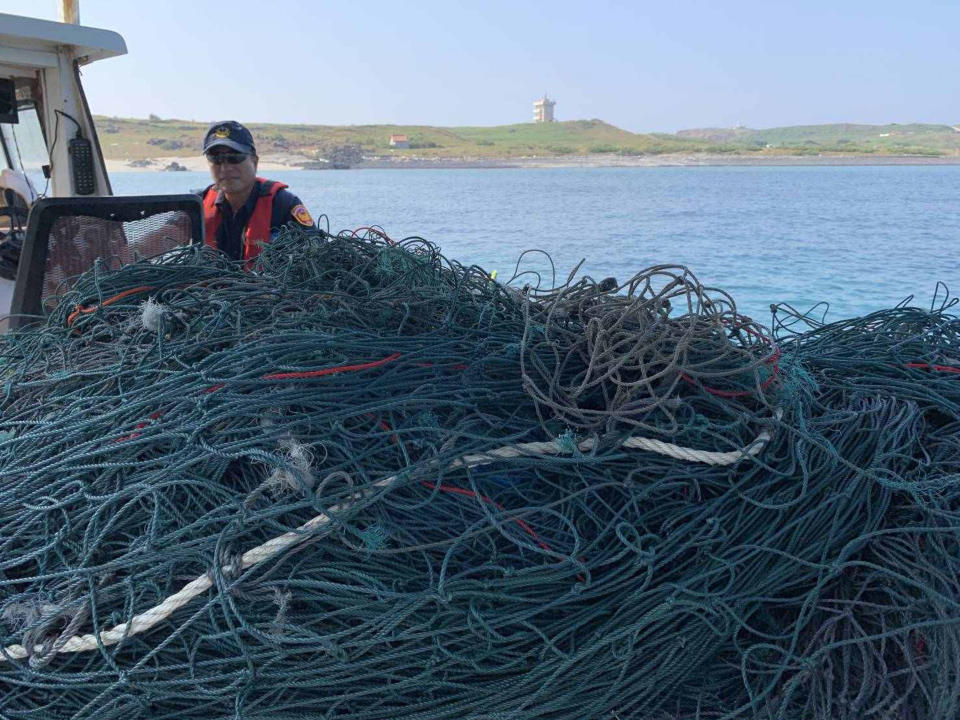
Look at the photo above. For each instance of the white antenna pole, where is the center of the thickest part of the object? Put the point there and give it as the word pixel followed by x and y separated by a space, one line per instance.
pixel 70 11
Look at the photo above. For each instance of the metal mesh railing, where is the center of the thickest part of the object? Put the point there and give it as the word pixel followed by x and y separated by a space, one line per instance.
pixel 75 242
pixel 66 236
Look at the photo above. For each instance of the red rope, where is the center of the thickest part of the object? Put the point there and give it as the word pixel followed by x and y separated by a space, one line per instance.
pixel 281 376
pixel 773 360
pixel 110 301
pixel 331 370
pixel 938 368
pixel 139 426
pixel 470 493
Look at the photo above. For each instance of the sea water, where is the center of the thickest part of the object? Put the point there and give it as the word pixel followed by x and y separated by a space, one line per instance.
pixel 861 238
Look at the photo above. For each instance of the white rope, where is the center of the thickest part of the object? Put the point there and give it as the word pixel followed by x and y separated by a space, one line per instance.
pixel 554 447
pixel 273 547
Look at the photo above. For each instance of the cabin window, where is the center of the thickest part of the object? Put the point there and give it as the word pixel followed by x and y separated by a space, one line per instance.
pixel 24 144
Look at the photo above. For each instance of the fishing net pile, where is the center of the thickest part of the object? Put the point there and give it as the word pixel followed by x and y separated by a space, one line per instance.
pixel 364 481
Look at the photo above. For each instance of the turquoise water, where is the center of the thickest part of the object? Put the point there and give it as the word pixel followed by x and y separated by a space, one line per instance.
pixel 861 238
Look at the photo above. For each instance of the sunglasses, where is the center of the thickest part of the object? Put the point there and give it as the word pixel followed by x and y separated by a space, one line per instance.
pixel 229 158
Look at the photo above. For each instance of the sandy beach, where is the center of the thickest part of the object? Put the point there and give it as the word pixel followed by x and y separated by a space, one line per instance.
pixel 197 163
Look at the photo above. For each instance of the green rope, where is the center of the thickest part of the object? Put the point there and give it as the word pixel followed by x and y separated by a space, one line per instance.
pixel 171 415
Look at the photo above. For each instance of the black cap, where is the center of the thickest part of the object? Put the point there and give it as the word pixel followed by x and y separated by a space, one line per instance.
pixel 231 134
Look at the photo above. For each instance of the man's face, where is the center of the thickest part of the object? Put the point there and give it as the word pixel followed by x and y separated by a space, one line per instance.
pixel 231 176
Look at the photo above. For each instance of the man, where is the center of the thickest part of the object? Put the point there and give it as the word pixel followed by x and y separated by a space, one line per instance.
pixel 240 210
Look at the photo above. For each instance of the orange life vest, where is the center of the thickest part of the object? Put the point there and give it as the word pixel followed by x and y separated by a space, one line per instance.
pixel 257 232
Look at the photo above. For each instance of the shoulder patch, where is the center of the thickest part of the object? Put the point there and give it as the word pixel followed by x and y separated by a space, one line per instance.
pixel 302 215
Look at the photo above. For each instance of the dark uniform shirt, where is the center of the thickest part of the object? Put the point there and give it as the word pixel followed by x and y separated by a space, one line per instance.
pixel 232 225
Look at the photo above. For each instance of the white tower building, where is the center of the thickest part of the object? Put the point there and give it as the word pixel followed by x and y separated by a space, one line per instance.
pixel 543 110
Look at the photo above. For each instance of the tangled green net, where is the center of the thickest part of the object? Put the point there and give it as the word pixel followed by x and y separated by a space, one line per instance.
pixel 492 542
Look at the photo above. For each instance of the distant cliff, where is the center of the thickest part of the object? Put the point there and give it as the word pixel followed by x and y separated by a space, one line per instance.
pixel 137 140
pixel 893 139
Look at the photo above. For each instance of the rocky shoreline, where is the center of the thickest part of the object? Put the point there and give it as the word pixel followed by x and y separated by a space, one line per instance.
pixel 664 160
pixel 275 162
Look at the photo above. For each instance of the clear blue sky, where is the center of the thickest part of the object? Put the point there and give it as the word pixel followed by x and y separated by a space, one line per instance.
pixel 642 66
